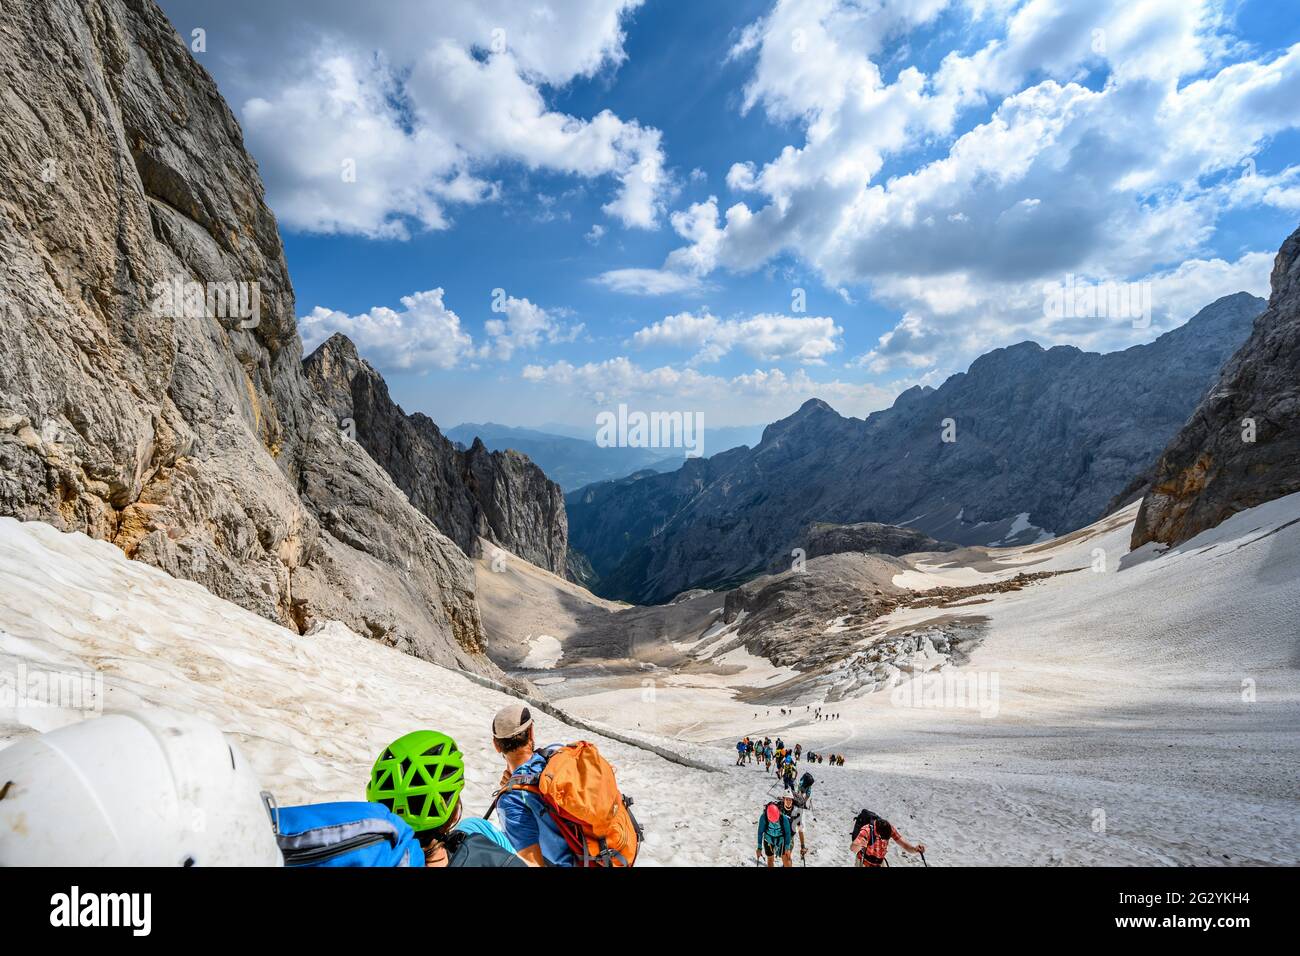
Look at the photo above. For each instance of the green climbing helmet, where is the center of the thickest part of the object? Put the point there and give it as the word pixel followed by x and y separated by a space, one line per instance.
pixel 419 777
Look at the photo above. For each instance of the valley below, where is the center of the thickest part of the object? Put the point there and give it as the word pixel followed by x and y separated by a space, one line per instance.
pixel 1066 702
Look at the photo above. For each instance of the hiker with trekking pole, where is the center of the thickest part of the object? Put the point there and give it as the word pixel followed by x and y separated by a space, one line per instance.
pixel 871 835
pixel 793 807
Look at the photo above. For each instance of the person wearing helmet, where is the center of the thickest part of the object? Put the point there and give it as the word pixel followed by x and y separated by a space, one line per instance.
pixel 788 773
pixel 793 808
pixel 420 777
pixel 139 788
pixel 775 836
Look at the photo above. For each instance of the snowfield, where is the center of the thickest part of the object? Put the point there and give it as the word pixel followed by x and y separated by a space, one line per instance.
pixel 311 713
pixel 1147 711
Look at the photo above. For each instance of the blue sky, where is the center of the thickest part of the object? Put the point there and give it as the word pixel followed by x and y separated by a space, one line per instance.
pixel 730 208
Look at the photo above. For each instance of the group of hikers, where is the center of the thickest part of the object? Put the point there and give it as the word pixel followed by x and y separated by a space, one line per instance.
pixel 789 711
pixel 836 760
pixel 769 753
pixel 420 778
pixel 782 819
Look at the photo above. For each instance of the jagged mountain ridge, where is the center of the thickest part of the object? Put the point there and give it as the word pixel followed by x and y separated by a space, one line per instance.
pixel 1044 439
pixel 498 495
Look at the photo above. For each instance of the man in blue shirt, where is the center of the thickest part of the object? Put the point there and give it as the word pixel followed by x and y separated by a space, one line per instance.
pixel 523 816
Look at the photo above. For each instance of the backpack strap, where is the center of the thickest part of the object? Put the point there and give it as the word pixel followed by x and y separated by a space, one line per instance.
pixel 530 782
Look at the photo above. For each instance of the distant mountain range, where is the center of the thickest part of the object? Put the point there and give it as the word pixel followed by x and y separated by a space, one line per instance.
pixel 570 456
pixel 1029 442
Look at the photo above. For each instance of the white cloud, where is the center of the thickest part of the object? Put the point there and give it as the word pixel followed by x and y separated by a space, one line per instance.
pixel 1280 190
pixel 1117 181
pixel 423 115
pixel 909 343
pixel 684 268
pixel 525 326
pixel 766 337
pixel 952 319
pixel 651 282
pixel 423 334
pixel 683 330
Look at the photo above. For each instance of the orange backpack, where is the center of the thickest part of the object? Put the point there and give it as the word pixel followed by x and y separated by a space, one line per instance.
pixel 578 789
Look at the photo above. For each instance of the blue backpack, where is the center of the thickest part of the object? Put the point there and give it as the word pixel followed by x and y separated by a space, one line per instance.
pixel 345 834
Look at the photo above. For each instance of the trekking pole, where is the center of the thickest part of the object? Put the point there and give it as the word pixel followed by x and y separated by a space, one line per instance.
pixel 927 865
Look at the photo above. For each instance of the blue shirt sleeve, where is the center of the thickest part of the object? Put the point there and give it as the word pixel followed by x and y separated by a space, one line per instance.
pixel 518 821
pixel 485 828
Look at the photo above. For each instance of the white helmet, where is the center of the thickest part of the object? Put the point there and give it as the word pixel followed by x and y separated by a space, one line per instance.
pixel 144 788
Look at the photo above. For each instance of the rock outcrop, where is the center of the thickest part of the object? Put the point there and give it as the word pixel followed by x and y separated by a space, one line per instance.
pixel 1041 440
pixel 821 621
pixel 869 537
pixel 468 495
pixel 1241 446
pixel 151 383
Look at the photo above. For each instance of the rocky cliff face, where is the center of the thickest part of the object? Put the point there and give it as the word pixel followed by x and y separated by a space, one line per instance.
pixel 609 519
pixel 468 495
pixel 151 385
pixel 1241 446
pixel 868 537
pixel 1042 440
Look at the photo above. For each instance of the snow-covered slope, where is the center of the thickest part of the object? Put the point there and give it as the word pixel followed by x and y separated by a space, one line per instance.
pixel 312 713
pixel 1145 712
pixel 1129 706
